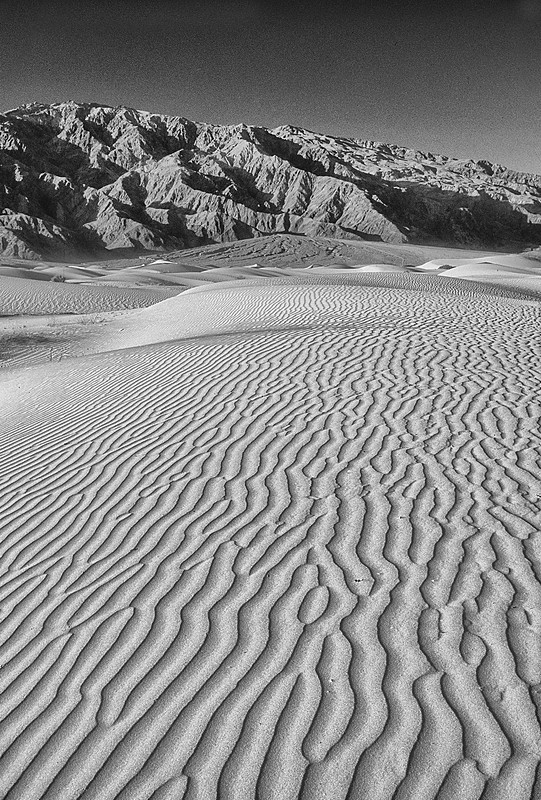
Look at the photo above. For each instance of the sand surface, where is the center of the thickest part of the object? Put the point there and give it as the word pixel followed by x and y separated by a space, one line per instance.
pixel 276 539
pixel 22 296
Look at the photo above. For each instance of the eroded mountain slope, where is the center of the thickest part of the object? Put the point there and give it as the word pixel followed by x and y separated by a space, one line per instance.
pixel 83 179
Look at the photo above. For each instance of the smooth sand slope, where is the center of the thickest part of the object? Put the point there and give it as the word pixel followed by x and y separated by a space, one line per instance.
pixel 288 546
pixel 520 270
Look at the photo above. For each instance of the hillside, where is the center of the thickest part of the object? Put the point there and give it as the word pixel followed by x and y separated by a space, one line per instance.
pixel 80 181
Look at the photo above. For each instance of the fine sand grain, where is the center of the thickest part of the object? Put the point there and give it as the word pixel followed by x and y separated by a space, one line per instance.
pixel 278 540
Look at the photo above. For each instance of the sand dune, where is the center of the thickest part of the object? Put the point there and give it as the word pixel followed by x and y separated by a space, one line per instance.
pixel 71 272
pixel 266 255
pixel 520 270
pixel 19 296
pixel 286 547
pixel 234 305
pixel 7 271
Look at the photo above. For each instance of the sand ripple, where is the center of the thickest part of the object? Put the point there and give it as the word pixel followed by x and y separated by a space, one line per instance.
pixel 20 296
pixel 299 558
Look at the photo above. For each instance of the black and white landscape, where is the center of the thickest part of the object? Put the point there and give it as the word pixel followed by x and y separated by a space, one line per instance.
pixel 270 458
pixel 81 180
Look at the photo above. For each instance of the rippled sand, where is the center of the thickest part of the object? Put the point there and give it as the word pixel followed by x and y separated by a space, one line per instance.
pixel 277 540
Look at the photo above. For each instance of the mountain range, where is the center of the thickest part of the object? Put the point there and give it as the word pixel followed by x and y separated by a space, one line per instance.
pixel 85 180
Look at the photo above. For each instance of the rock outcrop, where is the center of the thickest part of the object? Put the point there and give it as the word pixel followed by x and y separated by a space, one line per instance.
pixel 81 180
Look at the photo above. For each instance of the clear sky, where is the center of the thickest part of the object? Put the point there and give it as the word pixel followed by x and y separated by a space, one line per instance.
pixel 459 77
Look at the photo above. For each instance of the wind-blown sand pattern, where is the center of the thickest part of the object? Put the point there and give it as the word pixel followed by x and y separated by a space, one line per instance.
pixel 286 547
pixel 23 296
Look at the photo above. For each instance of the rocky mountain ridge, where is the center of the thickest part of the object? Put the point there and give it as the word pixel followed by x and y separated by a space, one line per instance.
pixel 79 180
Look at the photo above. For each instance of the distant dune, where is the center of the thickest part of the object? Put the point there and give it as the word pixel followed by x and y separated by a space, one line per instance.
pixel 20 296
pixel 275 537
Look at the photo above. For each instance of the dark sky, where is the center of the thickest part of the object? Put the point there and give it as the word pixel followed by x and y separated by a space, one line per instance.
pixel 460 77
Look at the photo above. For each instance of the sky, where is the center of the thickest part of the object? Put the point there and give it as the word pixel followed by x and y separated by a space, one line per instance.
pixel 460 77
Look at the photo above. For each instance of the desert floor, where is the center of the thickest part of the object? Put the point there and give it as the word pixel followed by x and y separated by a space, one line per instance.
pixel 272 538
